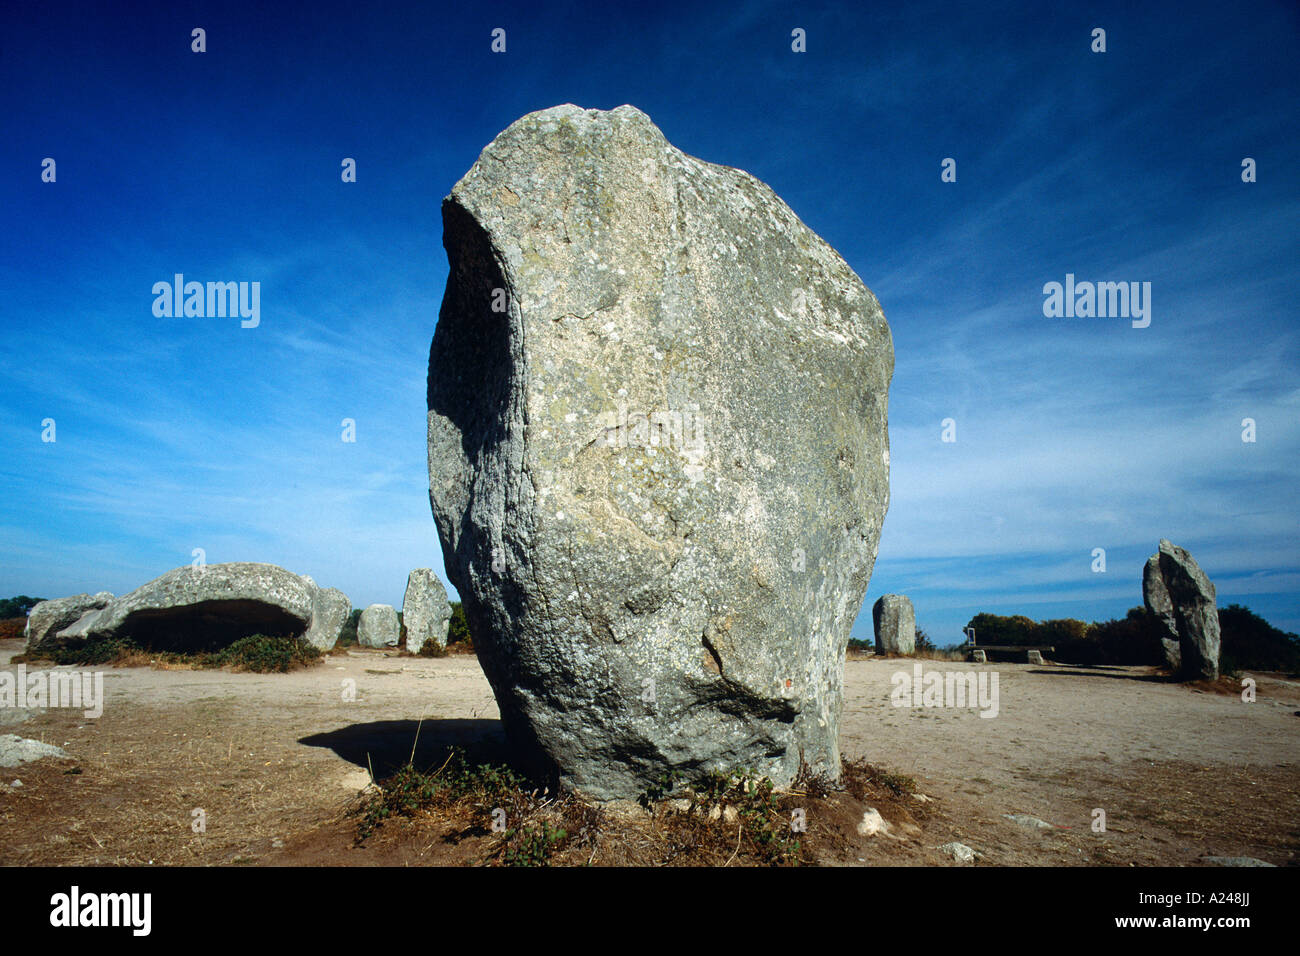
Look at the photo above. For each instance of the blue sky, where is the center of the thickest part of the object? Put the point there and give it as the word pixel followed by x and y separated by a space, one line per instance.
pixel 1072 433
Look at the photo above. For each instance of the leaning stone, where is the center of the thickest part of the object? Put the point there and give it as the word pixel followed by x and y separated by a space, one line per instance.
pixel 895 624
pixel 658 454
pixel 1157 601
pixel 425 610
pixel 379 627
pixel 47 618
pixel 1178 592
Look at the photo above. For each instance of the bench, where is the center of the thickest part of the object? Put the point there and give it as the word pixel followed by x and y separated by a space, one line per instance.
pixel 1033 653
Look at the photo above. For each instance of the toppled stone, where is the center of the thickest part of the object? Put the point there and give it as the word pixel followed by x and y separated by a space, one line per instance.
pixel 192 608
pixel 425 610
pixel 1177 591
pixel 47 618
pixel 15 750
pixel 1034 656
pixel 658 454
pixel 379 627
pixel 895 624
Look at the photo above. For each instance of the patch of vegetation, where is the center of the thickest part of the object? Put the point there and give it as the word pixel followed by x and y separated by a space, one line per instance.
pixel 263 654
pixel 813 783
pixel 1250 642
pixel 722 818
pixel 861 644
pixel 259 653
pixel 1247 640
pixel 431 649
pixel 530 825
pixel 862 779
pixel 660 790
pixel 19 606
pixel 923 643
pixel 348 634
pixel 533 845
pixel 458 627
pixel 13 627
pixel 746 801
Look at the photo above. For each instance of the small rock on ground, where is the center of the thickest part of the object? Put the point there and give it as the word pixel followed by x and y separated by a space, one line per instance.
pixel 15 750
pixel 959 852
pixel 1024 820
pixel 872 823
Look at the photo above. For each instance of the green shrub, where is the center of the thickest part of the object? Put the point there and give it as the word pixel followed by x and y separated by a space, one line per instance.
pixel 409 790
pixel 348 635
pixel 1249 641
pixel 533 845
pixel 264 654
pixel 258 653
pixel 923 642
pixel 764 823
pixel 19 606
pixel 458 627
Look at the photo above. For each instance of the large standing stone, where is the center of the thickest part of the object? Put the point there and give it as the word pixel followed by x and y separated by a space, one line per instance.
pixel 895 624
pixel 329 612
pixel 47 618
pixel 1177 591
pixel 1156 598
pixel 658 454
pixel 379 627
pixel 209 606
pixel 425 610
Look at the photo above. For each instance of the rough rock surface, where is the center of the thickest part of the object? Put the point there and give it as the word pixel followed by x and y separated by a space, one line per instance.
pixel 379 627
pixel 202 607
pixel 959 852
pixel 47 618
pixel 425 610
pixel 15 750
pixel 329 612
pixel 1156 598
pixel 895 624
pixel 1177 591
pixel 658 454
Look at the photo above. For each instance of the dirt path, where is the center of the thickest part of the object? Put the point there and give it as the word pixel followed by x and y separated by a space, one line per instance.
pixel 273 761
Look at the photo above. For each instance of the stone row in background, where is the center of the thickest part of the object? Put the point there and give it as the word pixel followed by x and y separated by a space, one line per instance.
pixel 220 603
pixel 894 621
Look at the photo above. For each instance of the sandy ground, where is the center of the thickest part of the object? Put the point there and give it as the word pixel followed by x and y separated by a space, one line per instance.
pixel 273 762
